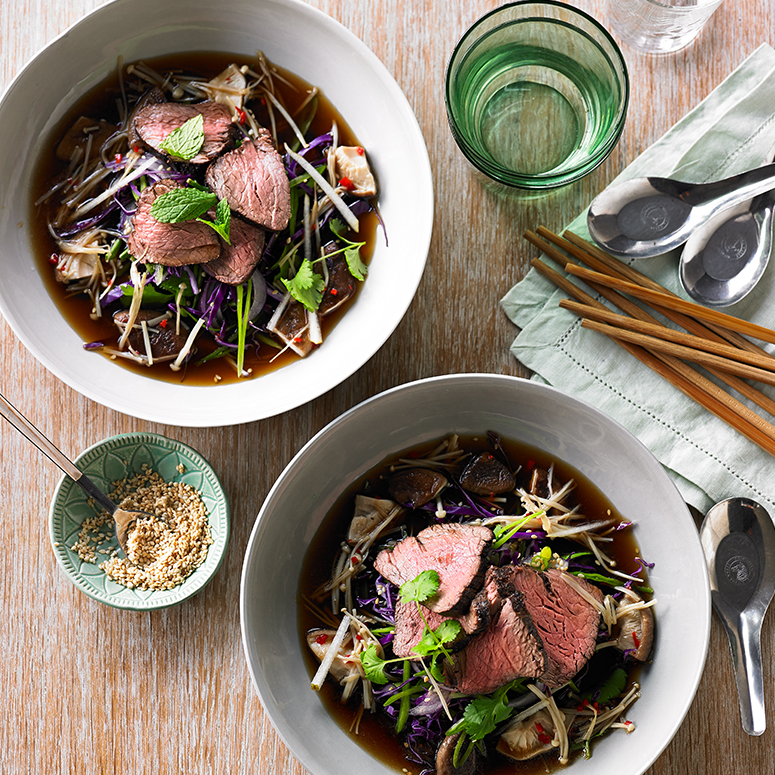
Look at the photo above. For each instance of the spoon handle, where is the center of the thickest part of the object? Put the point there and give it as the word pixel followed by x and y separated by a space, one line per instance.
pixel 53 453
pixel 745 641
pixel 733 191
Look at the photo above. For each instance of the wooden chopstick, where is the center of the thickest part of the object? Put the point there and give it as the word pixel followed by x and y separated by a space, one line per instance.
pixel 666 301
pixel 684 378
pixel 688 323
pixel 688 341
pixel 681 351
pixel 595 258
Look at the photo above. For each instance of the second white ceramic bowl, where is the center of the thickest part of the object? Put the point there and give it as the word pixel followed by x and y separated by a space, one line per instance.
pixel 543 417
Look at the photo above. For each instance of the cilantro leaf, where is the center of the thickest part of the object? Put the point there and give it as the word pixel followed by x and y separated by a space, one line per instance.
pixel 356 266
pixel 436 669
pixel 431 640
pixel 373 665
pixel 421 587
pixel 352 252
pixel 182 204
pixel 483 714
pixel 222 223
pixel 186 141
pixel 306 286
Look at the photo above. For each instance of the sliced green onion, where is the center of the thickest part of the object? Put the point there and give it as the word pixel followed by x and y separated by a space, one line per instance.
pixel 243 308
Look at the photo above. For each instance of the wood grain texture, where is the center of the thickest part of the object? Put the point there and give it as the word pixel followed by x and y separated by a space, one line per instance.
pixel 88 689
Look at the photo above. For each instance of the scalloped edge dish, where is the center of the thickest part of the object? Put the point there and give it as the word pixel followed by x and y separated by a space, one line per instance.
pixel 110 460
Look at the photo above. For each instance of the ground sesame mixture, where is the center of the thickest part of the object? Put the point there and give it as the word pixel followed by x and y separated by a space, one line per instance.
pixel 161 553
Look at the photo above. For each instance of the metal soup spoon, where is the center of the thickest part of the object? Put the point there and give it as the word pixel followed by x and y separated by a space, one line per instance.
pixel 646 217
pixel 123 519
pixel 724 258
pixel 738 538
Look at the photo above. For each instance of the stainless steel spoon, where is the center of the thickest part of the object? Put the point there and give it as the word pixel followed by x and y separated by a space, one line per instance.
pixel 738 538
pixel 646 217
pixel 724 258
pixel 123 519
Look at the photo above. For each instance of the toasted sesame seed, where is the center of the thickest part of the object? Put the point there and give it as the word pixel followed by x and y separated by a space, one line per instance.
pixel 161 553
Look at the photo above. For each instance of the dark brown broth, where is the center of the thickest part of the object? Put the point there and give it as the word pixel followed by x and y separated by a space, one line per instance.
pixel 76 310
pixel 375 732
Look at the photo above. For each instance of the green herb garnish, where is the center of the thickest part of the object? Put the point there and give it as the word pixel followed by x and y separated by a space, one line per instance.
pixel 483 714
pixel 306 286
pixel 183 204
pixel 352 251
pixel 222 223
pixel 186 141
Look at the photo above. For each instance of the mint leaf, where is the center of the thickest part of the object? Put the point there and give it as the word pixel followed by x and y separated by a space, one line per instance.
pixel 186 141
pixel 353 257
pixel 421 587
pixel 182 204
pixel 306 286
pixel 222 223
pixel 373 665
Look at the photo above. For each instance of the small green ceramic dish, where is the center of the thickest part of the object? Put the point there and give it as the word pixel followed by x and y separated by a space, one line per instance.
pixel 114 459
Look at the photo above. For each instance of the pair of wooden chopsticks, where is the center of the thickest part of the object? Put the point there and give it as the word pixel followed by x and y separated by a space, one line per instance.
pixel 711 339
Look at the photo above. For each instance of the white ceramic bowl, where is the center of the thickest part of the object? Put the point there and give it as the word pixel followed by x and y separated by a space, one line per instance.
pixel 294 36
pixel 622 468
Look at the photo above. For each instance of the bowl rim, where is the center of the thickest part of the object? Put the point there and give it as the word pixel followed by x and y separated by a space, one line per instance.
pixel 199 578
pixel 266 395
pixel 701 635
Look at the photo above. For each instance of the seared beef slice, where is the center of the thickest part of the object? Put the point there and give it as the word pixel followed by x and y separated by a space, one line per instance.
pixel 170 244
pixel 253 181
pixel 566 621
pixel 410 625
pixel 239 258
pixel 510 647
pixel 455 551
pixel 154 122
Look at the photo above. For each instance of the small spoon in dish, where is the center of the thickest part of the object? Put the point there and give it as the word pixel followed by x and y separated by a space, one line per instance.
pixel 738 538
pixel 724 258
pixel 646 217
pixel 124 520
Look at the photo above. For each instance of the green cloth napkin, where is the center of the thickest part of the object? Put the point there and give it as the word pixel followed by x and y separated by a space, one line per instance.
pixel 732 130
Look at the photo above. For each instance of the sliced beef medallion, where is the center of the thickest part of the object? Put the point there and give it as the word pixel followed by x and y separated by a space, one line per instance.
pixel 155 121
pixel 455 551
pixel 410 624
pixel 170 244
pixel 566 621
pixel 238 260
pixel 252 179
pixel 154 96
pixel 510 647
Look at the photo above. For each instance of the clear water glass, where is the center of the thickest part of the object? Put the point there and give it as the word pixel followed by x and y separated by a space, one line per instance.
pixel 659 26
pixel 536 94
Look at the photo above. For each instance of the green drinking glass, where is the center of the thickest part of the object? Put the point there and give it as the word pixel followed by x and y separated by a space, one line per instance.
pixel 536 94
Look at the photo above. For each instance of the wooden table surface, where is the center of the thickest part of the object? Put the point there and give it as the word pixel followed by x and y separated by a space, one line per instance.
pixel 88 689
